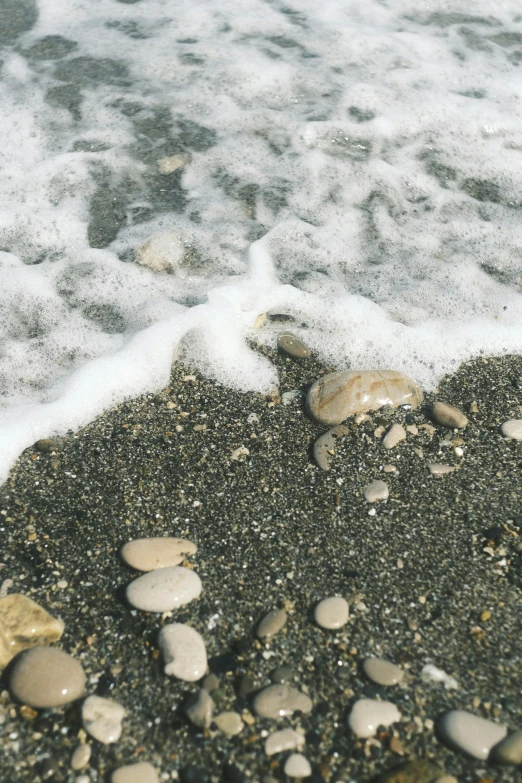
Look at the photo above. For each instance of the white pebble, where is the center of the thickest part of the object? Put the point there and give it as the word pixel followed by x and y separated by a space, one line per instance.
pixel 382 672
pixel 184 652
pixel 376 490
pixel 437 469
pixel 164 589
pixel 512 429
pixel 81 757
pixel 148 554
pixel 297 766
pixel 102 719
pixel 142 772
pixel 475 736
pixel 286 739
pixel 332 613
pixel 229 723
pixel 368 714
pixel 430 673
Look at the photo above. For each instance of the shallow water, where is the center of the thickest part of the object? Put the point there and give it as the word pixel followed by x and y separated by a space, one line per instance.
pixel 355 166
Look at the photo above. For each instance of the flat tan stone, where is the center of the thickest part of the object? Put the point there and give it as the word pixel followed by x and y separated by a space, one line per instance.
pixel 45 677
pixel 277 701
pixel 448 416
pixel 148 554
pixel 143 772
pixel 382 672
pixel 332 613
pixel 24 624
pixel 290 344
pixel 272 623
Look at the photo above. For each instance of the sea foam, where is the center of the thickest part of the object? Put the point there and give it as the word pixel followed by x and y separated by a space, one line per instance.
pixel 353 165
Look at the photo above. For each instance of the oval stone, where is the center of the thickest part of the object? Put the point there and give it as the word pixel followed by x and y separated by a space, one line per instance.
pixel 184 652
pixel 81 757
pixel 45 677
pixel 448 416
pixel 331 613
pixel 368 714
pixel 290 344
pixel 143 772
pixel 102 719
pixel 512 429
pixel 199 709
pixel 509 751
pixel 229 723
pixel 438 469
pixel 475 736
pixel 338 395
pixel 375 491
pixel 297 766
pixel 324 446
pixel 286 739
pixel 382 672
pixel 148 554
pixel 276 701
pixel 395 435
pixel 272 623
pixel 164 589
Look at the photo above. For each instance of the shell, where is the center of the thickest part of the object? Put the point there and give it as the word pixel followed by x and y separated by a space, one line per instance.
pixel 338 395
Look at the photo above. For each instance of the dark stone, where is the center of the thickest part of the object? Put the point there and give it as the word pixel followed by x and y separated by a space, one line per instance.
pixel 192 774
pixel 493 534
pixel 105 685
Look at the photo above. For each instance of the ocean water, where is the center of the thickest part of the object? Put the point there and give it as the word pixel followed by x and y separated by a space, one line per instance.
pixel 355 165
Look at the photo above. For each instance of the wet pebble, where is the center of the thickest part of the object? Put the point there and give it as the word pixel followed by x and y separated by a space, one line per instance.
pixel 229 723
pixel 148 554
pixel 47 677
pixel 297 766
pixel 512 429
pixel 143 772
pixel 291 345
pixel 382 672
pixel 272 623
pixel 475 736
pixel 286 739
pixel 375 491
pixel 283 674
pixel 324 446
pixel 509 750
pixel 184 652
pixel 412 772
pixel 332 613
pixel 276 701
pixel 199 709
pixel 164 589
pixel 395 435
pixel 24 624
pixel 448 416
pixel 368 714
pixel 102 719
pixel 438 469
pixel 81 757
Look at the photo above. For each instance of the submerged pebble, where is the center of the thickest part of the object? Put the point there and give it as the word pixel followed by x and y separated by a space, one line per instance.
pixel 332 613
pixel 512 429
pixel 148 554
pixel 297 766
pixel 448 416
pixel 143 772
pixel 286 739
pixel 382 672
pixel 290 344
pixel 368 714
pixel 475 736
pixel 276 701
pixel 184 652
pixel 24 624
pixel 102 719
pixel 164 589
pixel 375 491
pixel 47 677
pixel 272 623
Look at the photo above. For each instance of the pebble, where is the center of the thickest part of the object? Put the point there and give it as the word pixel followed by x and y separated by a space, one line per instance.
pixel 276 701
pixel 431 673
pixel 283 674
pixel 290 344
pixel 286 739
pixel 184 652
pixel 376 490
pixel 272 623
pixel 395 434
pixel 368 714
pixel 102 719
pixel 382 672
pixel 324 446
pixel 475 736
pixel 164 589
pixel 512 429
pixel 297 766
pixel 447 779
pixel 163 252
pixel 229 723
pixel 437 469
pixel 45 677
pixel 211 682
pixel 81 757
pixel 448 416
pixel 50 445
pixel 143 772
pixel 24 624
pixel 509 750
pixel 332 613
pixel 199 709
pixel 148 554
pixel 338 395
pixel 412 772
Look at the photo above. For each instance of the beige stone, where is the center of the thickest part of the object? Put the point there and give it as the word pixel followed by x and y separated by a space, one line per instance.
pixel 286 739
pixel 148 554
pixel 332 613
pixel 81 757
pixel 143 772
pixel 473 735
pixel 394 436
pixel 272 623
pixel 47 677
pixel 297 766
pixel 375 491
pixel 382 672
pixel 290 344
pixel 368 714
pixel 438 469
pixel 24 624
pixel 277 701
pixel 229 723
pixel 102 719
pixel 448 416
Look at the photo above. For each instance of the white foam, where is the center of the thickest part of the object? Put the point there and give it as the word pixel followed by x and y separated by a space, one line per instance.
pixel 377 150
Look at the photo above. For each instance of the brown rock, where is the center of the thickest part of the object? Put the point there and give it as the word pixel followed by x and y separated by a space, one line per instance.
pixel 24 624
pixel 290 344
pixel 448 416
pixel 45 677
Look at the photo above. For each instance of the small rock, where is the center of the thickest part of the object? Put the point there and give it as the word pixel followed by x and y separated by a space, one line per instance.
pixel 475 736
pixel 288 397
pixel 148 554
pixel 324 446
pixel 448 416
pixel 396 746
pixel 143 772
pixel 210 683
pixel 509 750
pixel 240 454
pixel 286 739
pixel 376 490
pixel 102 719
pixel 283 674
pixel 382 672
pixel 48 445
pixel 24 624
pixel 395 434
pixel 390 469
pixel 338 395
pixel 229 723
pixel 437 469
pixel 45 677
pixel 164 589
pixel 430 673
pixel 272 623
pixel 297 766
pixel 184 651
pixel 163 252
pixel 332 613
pixel 81 757
pixel 171 163
pixel 290 344
pixel 412 772
pixel 368 714
pixel 447 779
pixel 276 701
pixel 512 429
pixel 200 708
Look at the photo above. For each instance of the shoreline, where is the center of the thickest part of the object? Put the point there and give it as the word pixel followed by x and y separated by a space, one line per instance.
pixel 273 530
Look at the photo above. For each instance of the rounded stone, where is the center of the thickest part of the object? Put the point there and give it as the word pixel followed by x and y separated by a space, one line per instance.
pixel 229 723
pixel 143 772
pixel 199 709
pixel 512 429
pixel 184 652
pixel 286 739
pixel 276 701
pixel 163 252
pixel 24 624
pixel 332 613
pixel 375 491
pixel 45 677
pixel 149 554
pixel 283 674
pixel 395 435
pixel 324 446
pixel 81 757
pixel 509 750
pixel 164 589
pixel 448 416
pixel 475 736
pixel 102 719
pixel 290 344
pixel 438 469
pixel 382 672
pixel 272 623
pixel 297 766
pixel 368 714
pixel 338 395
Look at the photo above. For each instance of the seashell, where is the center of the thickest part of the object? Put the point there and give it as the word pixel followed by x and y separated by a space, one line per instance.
pixel 338 395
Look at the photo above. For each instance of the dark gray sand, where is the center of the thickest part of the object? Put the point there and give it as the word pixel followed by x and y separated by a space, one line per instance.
pixel 273 530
